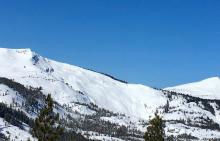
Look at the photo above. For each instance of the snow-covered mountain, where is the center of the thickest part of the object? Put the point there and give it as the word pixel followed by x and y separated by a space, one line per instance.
pixel 208 88
pixel 69 83
pixel 99 105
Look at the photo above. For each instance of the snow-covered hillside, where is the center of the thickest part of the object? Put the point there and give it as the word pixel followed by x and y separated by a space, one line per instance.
pixel 65 82
pixel 208 88
pixel 101 106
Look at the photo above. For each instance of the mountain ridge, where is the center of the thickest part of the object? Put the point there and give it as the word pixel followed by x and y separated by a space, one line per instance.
pixel 85 97
pixel 207 88
pixel 36 65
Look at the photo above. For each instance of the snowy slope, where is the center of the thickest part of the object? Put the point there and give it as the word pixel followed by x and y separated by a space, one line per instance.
pixel 64 82
pixel 14 133
pixel 208 88
pixel 76 90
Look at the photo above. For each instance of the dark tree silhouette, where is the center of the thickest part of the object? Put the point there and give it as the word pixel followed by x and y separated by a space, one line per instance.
pixel 45 125
pixel 155 131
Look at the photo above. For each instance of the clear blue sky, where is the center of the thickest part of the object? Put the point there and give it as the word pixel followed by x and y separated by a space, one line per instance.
pixel 154 42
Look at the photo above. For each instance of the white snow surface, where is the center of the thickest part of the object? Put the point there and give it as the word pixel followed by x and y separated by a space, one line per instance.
pixel 64 82
pixel 208 88
pixel 15 133
pixel 68 84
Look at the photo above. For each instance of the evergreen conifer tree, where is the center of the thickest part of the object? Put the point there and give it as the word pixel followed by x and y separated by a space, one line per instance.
pixel 45 125
pixel 155 131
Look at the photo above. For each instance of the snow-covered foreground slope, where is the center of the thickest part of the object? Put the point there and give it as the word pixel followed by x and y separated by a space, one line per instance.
pixel 100 106
pixel 14 132
pixel 208 88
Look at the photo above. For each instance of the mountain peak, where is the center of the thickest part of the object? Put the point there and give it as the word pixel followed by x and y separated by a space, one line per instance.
pixel 208 88
pixel 80 92
pixel 16 50
pixel 211 79
pixel 26 52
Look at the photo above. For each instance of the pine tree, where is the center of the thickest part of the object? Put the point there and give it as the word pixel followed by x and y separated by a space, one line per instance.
pixel 155 131
pixel 45 125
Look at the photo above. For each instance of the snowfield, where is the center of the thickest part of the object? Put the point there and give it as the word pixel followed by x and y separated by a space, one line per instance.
pixel 64 82
pixel 191 109
pixel 208 88
pixel 15 133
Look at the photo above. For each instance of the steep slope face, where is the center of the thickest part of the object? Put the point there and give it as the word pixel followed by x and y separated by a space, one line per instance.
pixel 14 119
pixel 81 92
pixel 69 84
pixel 191 117
pixel 14 132
pixel 208 88
pixel 98 106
